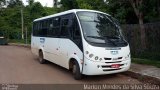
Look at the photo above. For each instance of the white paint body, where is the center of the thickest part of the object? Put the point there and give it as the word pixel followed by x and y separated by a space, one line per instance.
pixel 61 50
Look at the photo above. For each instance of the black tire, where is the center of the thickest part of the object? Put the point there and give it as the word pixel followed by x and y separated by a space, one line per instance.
pixel 41 58
pixel 76 71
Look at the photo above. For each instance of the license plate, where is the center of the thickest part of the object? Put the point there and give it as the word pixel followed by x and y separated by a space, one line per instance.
pixel 115 66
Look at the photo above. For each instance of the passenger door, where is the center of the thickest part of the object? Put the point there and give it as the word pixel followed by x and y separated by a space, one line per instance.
pixel 65 39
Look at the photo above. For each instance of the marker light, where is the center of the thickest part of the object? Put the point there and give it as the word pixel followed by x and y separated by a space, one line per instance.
pixel 87 52
pixel 127 57
pixel 96 58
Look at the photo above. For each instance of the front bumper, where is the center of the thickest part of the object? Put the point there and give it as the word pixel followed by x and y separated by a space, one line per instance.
pixel 101 68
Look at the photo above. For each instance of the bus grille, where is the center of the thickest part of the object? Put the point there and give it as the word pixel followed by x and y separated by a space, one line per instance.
pixel 114 62
pixel 107 58
pixel 113 58
pixel 111 69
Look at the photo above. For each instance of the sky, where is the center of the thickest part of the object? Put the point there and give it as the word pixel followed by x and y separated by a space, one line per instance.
pixel 48 3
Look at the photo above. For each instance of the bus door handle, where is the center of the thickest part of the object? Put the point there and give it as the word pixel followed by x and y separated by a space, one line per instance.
pixel 56 48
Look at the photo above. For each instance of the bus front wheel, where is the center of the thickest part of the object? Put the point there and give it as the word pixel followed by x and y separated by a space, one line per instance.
pixel 76 71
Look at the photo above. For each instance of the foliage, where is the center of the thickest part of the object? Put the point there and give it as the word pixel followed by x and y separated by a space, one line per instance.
pixel 30 2
pixel 2 3
pixel 36 11
pixel 10 12
pixel 152 10
pixel 94 4
pixel 120 9
pixel 14 3
pixel 10 17
pixel 69 4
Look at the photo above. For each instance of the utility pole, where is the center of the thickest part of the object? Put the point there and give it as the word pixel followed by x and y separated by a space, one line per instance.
pixel 22 23
pixel 26 35
pixel 53 3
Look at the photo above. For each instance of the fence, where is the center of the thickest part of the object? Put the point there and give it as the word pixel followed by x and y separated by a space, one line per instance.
pixel 152 38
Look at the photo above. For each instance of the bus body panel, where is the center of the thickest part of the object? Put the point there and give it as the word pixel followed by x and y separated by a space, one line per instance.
pixel 35 45
pixel 50 48
pixel 57 50
pixel 67 50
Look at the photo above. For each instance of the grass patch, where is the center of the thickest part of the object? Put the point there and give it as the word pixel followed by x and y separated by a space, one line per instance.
pixel 146 62
pixel 150 55
pixel 18 41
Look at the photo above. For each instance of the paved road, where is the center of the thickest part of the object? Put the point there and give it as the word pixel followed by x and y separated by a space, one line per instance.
pixel 18 65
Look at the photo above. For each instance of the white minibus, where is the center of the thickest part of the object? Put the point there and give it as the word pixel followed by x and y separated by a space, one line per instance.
pixel 87 42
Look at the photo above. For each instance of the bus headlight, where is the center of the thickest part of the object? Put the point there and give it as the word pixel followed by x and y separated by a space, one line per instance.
pixel 91 55
pixel 87 52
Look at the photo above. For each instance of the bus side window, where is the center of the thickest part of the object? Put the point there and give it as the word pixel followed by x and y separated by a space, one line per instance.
pixel 40 28
pixel 43 30
pixel 34 31
pixel 65 28
pixel 77 34
pixel 56 26
pixel 51 31
pixel 53 27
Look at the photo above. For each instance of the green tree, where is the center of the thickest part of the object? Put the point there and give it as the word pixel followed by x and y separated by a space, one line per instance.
pixel 151 10
pixel 30 2
pixel 69 4
pixel 92 4
pixel 37 11
pixel 2 3
pixel 14 3
pixel 122 10
pixel 84 4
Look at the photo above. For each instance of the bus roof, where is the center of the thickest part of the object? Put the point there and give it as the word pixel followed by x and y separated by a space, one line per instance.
pixel 66 12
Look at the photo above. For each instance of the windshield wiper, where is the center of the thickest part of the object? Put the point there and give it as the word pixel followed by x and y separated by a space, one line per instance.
pixel 112 37
pixel 96 37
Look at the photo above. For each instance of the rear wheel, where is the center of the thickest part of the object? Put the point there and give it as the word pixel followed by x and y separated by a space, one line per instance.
pixel 41 58
pixel 76 71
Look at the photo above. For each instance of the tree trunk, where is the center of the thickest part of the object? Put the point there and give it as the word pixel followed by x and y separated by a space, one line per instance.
pixel 136 4
pixel 142 32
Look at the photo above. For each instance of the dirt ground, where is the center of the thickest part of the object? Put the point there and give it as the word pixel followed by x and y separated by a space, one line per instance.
pixel 19 66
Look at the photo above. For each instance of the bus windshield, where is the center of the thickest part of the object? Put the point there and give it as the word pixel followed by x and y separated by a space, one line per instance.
pixel 98 27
